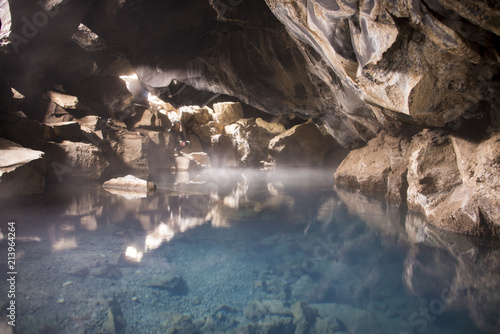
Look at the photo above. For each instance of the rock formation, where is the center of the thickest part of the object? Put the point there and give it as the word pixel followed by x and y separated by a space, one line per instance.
pixel 409 69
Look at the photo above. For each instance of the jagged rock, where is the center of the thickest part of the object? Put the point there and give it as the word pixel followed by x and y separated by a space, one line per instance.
pixel 181 324
pixel 349 319
pixel 377 169
pixel 129 146
pixel 65 101
pixel 227 112
pixel 302 145
pixel 304 317
pixel 64 131
pixel 108 96
pixel 74 159
pixel 446 180
pixel 22 170
pixel 176 285
pixel 116 323
pixel 16 127
pixel 250 141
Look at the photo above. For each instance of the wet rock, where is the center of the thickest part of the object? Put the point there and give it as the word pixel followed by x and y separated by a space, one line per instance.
pixel 74 159
pixel 22 170
pixel 130 182
pixel 181 324
pixel 446 182
pixel 223 320
pixel 106 270
pixel 115 323
pixel 227 112
pixel 303 288
pixel 302 145
pixel 348 319
pixel 304 317
pixel 378 169
pixel 176 285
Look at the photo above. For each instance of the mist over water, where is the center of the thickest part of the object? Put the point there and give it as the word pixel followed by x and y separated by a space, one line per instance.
pixel 241 251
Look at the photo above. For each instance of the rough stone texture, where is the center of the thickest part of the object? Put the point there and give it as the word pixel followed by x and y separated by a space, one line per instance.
pixel 452 181
pixel 67 160
pixel 22 170
pixel 302 145
pixel 131 183
pixel 20 129
pixel 378 169
pixel 227 112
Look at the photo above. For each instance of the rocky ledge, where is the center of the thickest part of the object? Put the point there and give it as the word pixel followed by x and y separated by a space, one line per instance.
pixel 453 181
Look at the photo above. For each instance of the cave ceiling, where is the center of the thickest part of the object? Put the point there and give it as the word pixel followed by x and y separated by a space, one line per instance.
pixel 355 66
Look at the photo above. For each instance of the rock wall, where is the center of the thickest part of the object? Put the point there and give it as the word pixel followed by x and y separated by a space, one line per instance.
pixel 451 180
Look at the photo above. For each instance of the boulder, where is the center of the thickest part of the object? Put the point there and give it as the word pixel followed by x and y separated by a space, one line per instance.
pixel 378 169
pixel 74 159
pixel 130 183
pixel 64 131
pixel 16 127
pixel 65 101
pixel 22 170
pixel 130 147
pixel 302 145
pixel 454 182
pixel 250 141
pixel 227 112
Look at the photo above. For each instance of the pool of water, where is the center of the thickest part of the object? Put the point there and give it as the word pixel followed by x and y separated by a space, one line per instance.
pixel 239 251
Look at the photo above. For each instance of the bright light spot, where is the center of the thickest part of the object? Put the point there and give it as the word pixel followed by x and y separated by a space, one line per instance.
pixel 133 254
pixel 163 233
pixel 65 244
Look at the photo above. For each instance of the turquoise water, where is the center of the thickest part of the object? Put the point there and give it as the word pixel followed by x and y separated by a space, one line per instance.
pixel 240 252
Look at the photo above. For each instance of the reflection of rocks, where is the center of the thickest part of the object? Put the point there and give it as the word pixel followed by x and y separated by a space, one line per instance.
pixel 129 186
pixel 449 179
pixel 22 170
pixel 377 214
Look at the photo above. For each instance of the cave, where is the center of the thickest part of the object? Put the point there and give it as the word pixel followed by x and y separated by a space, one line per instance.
pixel 237 166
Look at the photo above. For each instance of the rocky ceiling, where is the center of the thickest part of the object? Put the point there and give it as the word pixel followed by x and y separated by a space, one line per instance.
pixel 357 66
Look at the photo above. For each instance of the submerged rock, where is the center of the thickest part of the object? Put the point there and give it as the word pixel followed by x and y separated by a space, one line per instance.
pixel 22 170
pixel 176 285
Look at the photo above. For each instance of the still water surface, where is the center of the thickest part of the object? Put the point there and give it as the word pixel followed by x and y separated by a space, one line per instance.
pixel 240 252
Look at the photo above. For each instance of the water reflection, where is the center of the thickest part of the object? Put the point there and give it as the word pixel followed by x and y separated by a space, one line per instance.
pixel 325 246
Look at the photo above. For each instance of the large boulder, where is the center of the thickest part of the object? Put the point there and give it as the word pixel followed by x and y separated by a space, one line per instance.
pixel 454 182
pixel 378 169
pixel 227 112
pixel 451 180
pixel 302 145
pixel 68 160
pixel 22 170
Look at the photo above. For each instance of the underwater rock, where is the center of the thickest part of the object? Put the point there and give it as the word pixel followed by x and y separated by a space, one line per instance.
pixel 107 270
pixel 22 170
pixel 176 285
pixel 181 324
pixel 223 320
pixel 115 323
pixel 303 288
pixel 304 317
pixel 348 318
